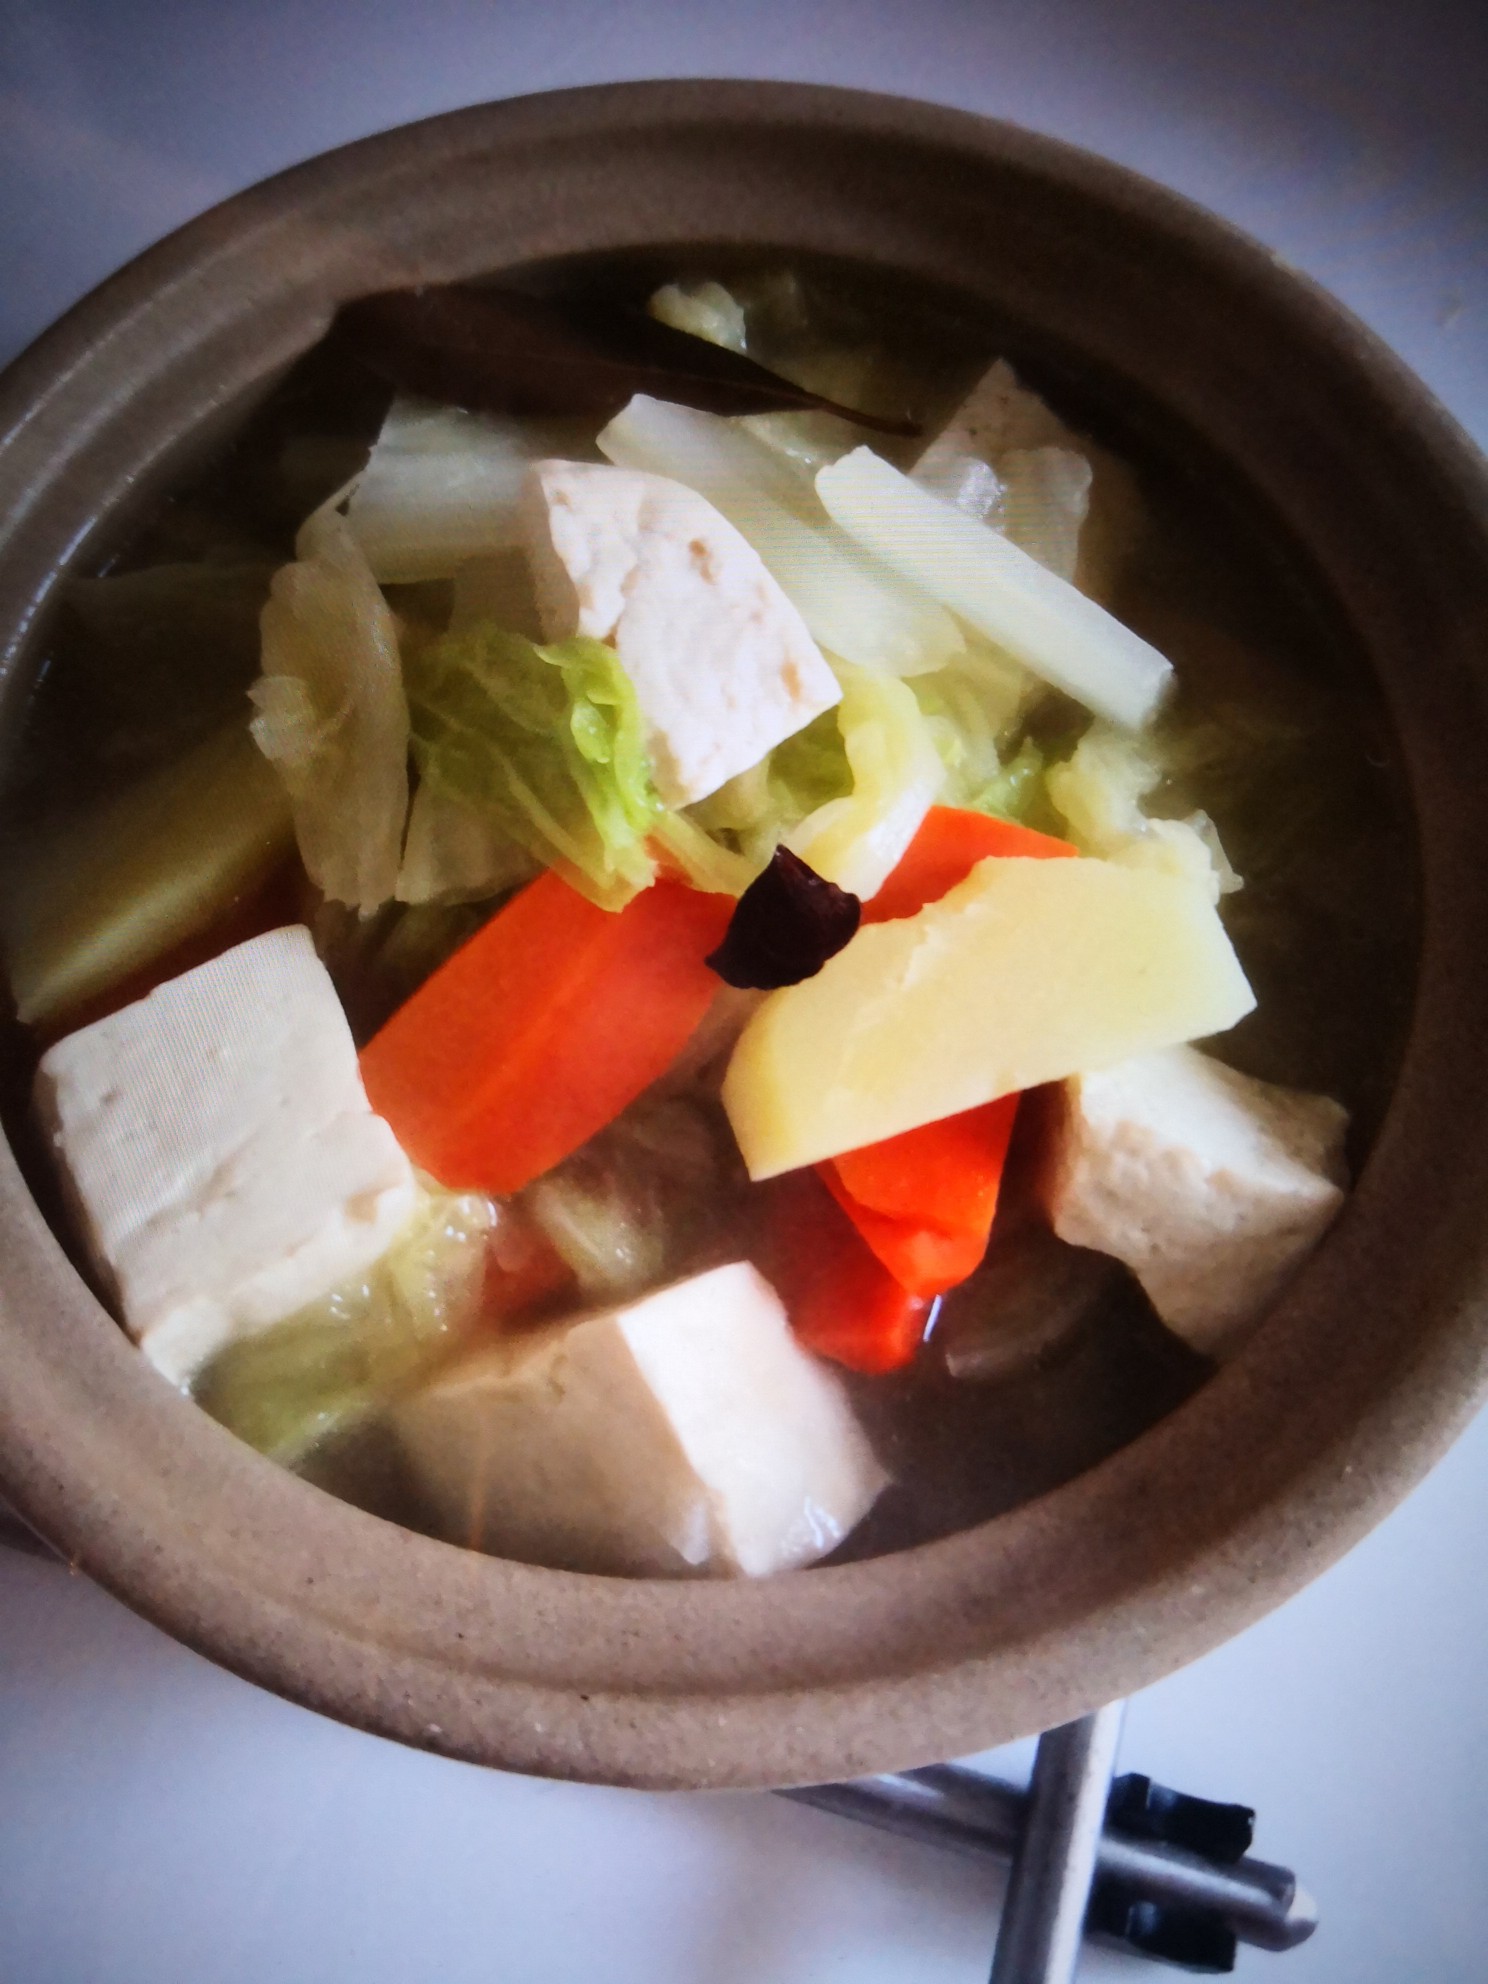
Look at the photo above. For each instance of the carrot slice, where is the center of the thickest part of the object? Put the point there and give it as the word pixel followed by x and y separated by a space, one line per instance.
pixel 842 1302
pixel 949 844
pixel 924 1201
pixel 945 1174
pixel 542 1028
pixel 924 1260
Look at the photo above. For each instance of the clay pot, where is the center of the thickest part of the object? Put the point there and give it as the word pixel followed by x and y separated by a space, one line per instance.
pixel 1366 1369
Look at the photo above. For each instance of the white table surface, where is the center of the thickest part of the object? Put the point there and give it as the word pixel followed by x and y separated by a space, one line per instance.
pixel 161 1820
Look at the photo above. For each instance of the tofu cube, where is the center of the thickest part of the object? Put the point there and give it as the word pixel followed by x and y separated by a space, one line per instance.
pixel 686 1432
pixel 721 662
pixel 218 1146
pixel 998 414
pixel 1210 1186
pixel 1004 456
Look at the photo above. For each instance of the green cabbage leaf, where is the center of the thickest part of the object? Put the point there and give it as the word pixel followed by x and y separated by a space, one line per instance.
pixel 331 714
pixel 1100 789
pixel 847 793
pixel 288 1389
pixel 857 840
pixel 546 746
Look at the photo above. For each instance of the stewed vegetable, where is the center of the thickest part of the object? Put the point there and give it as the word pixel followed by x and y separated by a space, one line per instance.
pixel 732 958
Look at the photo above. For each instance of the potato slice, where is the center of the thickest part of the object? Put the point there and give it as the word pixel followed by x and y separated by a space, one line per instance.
pixel 1026 972
pixel 123 885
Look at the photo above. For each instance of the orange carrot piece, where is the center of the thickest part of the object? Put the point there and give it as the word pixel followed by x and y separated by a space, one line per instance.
pixel 842 1302
pixel 949 844
pixel 944 1174
pixel 924 1201
pixel 924 1260
pixel 542 1028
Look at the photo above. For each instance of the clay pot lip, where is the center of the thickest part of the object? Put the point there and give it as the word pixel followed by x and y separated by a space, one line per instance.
pixel 1101 1586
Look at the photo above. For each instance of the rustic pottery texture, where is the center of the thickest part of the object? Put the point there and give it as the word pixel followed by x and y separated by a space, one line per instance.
pixel 1360 1378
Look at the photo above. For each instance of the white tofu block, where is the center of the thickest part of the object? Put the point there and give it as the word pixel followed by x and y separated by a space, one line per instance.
pixel 998 414
pixel 220 1151
pixel 721 662
pixel 1007 458
pixel 684 1432
pixel 1210 1186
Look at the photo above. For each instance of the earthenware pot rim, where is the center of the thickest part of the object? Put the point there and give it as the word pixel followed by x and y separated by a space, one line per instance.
pixel 1365 1371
